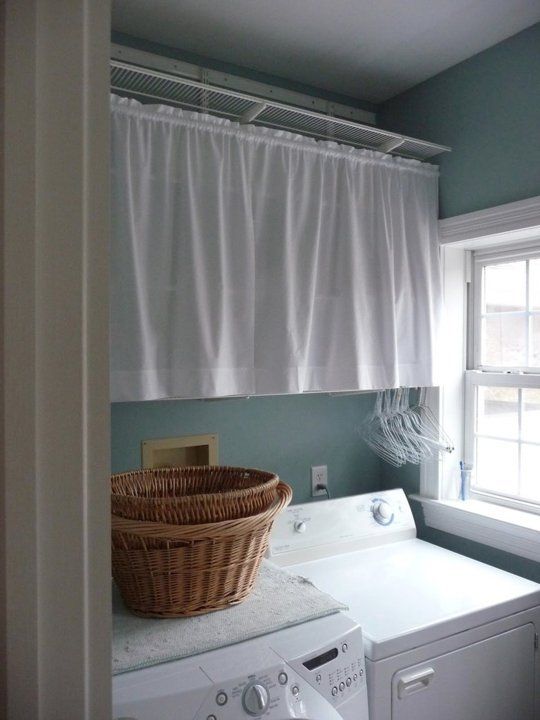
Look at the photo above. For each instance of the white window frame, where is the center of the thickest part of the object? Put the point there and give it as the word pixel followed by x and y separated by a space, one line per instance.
pixel 481 258
pixel 473 380
pixel 479 375
pixel 507 227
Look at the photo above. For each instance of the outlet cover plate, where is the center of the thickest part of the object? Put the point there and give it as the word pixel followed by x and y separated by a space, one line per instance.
pixel 319 476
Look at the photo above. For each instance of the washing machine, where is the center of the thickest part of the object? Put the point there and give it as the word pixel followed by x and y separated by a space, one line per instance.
pixel 445 637
pixel 315 670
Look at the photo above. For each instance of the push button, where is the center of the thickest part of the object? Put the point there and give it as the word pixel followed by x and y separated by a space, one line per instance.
pixel 221 698
pixel 334 691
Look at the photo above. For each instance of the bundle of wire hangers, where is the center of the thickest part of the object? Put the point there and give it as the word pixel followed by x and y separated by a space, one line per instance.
pixel 400 432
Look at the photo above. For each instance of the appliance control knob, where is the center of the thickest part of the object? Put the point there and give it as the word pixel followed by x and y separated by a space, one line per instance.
pixel 255 699
pixel 382 512
pixel 300 526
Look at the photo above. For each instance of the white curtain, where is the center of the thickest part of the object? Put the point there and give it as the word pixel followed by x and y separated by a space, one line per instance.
pixel 252 261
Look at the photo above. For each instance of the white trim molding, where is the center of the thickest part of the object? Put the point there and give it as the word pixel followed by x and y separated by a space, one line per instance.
pixel 513 531
pixel 517 220
pixel 55 401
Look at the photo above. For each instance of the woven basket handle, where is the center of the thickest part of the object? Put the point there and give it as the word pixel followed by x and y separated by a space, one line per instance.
pixel 148 529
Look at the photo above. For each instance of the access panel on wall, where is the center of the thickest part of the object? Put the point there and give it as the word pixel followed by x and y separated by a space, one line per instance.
pixel 252 261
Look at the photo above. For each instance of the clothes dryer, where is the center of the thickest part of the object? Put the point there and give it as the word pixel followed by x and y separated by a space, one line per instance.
pixel 445 637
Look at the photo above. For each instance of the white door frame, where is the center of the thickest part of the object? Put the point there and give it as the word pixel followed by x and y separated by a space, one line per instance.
pixel 54 393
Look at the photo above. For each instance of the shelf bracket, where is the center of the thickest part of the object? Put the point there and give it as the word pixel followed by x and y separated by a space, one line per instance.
pixel 390 144
pixel 253 112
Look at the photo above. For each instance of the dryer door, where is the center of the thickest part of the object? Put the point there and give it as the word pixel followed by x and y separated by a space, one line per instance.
pixel 491 679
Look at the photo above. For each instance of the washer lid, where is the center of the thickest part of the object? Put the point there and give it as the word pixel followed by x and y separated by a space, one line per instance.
pixel 411 593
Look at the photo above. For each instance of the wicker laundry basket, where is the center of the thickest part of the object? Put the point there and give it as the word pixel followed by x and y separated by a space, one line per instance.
pixel 167 570
pixel 192 495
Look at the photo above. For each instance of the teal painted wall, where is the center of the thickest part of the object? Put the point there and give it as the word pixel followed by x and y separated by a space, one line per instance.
pixel 487 109
pixel 285 434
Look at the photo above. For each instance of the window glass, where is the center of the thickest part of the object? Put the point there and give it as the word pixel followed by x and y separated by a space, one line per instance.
pixel 504 340
pixel 530 426
pixel 505 287
pixel 530 473
pixel 534 359
pixel 498 412
pixel 534 284
pixel 496 466
pixel 505 440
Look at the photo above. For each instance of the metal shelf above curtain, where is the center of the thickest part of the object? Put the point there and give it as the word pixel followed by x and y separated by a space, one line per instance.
pixel 147 83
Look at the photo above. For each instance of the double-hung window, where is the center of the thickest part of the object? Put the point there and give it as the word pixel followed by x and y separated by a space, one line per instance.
pixel 489 398
pixel 502 404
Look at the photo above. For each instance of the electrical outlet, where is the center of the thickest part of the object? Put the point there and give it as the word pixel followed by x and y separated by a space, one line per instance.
pixel 319 480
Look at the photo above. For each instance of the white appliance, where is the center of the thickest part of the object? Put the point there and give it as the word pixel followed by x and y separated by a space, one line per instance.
pixel 314 671
pixel 445 637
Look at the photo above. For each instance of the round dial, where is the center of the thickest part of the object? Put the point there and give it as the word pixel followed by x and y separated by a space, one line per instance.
pixel 382 512
pixel 255 699
pixel 300 526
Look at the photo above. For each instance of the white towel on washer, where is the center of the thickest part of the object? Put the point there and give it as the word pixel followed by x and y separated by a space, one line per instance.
pixel 278 600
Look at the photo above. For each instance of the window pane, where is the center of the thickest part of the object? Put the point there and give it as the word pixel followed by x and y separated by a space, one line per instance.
pixel 534 360
pixel 498 412
pixel 497 466
pixel 530 472
pixel 504 339
pixel 530 429
pixel 534 283
pixel 507 422
pixel 505 287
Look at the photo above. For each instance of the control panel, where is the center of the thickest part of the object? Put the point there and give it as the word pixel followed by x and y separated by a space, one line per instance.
pixel 328 676
pixel 337 671
pixel 315 670
pixel 262 693
pixel 328 527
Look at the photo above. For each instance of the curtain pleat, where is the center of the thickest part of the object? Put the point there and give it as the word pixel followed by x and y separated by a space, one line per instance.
pixel 252 261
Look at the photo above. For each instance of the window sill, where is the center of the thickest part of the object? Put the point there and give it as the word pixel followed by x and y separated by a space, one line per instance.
pixel 513 531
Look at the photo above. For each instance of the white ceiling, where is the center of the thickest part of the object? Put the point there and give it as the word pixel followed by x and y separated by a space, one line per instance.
pixel 366 49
